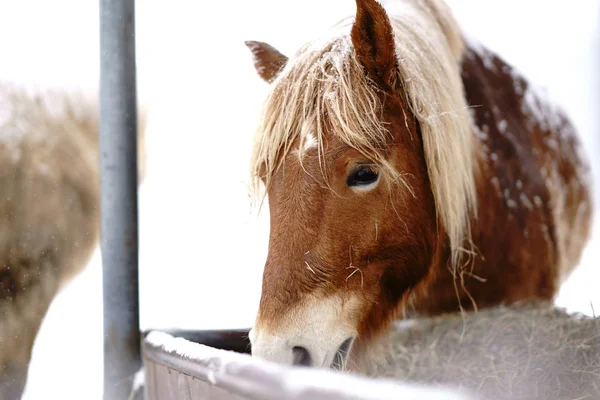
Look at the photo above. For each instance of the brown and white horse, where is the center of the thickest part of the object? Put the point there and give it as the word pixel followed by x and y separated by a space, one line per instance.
pixel 408 170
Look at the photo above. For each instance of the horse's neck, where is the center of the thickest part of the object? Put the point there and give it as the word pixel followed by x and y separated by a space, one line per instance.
pixel 512 192
pixel 533 178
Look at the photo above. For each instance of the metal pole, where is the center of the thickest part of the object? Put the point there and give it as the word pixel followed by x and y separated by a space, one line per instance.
pixel 119 207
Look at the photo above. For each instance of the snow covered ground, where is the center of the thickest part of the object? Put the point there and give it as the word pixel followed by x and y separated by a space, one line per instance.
pixel 201 247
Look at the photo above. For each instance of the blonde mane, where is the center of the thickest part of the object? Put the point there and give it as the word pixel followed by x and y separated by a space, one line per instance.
pixel 324 85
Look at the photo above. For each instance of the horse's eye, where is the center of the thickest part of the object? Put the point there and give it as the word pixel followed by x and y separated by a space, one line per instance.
pixel 364 175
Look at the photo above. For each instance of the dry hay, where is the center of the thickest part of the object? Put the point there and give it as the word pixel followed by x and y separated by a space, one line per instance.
pixel 530 351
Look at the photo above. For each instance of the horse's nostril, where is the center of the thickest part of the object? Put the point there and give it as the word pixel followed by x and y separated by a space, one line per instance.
pixel 342 354
pixel 301 356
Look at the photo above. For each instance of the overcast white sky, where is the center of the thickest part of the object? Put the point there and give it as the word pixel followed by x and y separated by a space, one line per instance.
pixel 201 249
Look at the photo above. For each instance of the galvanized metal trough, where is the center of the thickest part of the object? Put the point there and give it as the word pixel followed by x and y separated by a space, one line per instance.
pixel 524 351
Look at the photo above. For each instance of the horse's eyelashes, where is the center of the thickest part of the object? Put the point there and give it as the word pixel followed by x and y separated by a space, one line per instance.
pixel 363 175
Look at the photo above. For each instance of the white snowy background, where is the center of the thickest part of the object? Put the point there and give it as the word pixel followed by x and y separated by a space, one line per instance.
pixel 202 249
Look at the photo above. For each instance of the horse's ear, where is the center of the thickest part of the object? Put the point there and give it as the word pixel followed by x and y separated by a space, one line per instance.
pixel 268 61
pixel 373 40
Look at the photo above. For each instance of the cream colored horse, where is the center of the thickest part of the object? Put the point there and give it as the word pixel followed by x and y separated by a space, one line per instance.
pixel 49 210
